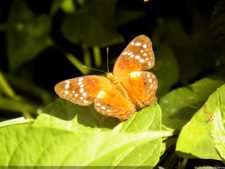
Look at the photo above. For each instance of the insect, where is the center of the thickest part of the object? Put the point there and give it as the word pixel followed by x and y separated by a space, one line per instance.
pixel 121 93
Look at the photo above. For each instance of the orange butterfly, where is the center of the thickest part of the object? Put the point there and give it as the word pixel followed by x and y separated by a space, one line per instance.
pixel 125 90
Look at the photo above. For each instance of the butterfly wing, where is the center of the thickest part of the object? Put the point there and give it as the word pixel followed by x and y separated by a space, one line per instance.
pixel 82 90
pixel 141 87
pixel 138 55
pixel 110 102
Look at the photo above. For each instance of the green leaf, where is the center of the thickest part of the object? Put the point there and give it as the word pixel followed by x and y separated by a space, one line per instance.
pixel 48 142
pixel 179 105
pixel 30 146
pixel 66 5
pixel 152 121
pixel 204 135
pixel 89 27
pixel 166 69
pixel 27 35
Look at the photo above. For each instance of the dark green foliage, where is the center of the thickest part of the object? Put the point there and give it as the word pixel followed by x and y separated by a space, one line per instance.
pixel 27 35
pixel 218 31
pixel 45 42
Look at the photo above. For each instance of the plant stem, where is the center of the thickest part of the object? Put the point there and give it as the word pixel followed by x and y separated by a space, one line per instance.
pixel 19 120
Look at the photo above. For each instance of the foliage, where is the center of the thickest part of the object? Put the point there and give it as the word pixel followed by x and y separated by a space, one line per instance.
pixel 61 36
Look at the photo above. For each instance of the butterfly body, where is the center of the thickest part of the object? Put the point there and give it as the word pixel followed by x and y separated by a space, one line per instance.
pixel 121 93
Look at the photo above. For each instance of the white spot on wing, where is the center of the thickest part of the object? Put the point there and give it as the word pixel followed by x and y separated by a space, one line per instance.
pixel 66 92
pixel 85 101
pixel 141 60
pixel 129 53
pixel 144 46
pixel 137 57
pixel 137 44
pixel 135 74
pixel 103 107
pixel 67 85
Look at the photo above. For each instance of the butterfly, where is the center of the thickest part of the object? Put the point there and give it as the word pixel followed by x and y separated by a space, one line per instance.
pixel 124 91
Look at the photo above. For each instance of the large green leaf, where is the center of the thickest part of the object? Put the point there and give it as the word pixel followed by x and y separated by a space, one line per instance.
pixel 32 146
pixel 54 141
pixel 27 35
pixel 204 135
pixel 179 105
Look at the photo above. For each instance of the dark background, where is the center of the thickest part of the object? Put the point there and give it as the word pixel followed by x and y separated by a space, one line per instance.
pixel 188 39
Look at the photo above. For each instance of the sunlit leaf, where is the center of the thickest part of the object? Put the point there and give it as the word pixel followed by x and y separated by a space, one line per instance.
pixel 64 138
pixel 203 136
pixel 179 105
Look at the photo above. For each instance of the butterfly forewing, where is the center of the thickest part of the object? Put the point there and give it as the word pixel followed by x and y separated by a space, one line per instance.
pixel 138 55
pixel 141 87
pixel 110 102
pixel 82 90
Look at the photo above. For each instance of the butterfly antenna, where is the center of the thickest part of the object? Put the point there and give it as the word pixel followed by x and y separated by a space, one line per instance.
pixel 93 69
pixel 107 58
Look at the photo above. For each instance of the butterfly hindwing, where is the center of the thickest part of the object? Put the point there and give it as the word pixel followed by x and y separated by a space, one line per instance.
pixel 111 102
pixel 82 90
pixel 141 86
pixel 138 55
